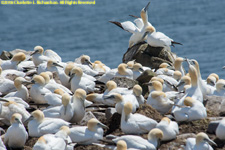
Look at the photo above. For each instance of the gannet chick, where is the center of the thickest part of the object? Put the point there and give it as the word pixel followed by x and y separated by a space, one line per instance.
pixel 78 105
pixel 193 110
pixel 65 111
pixel 22 91
pixel 201 142
pixel 38 57
pixel 137 70
pixel 13 63
pixel 178 65
pixel 49 65
pixel 139 143
pixel 220 130
pixel 38 125
pixel 184 83
pixel 17 129
pixel 159 101
pixel 89 134
pixel 169 128
pixel 135 123
pixel 77 81
pixel 52 55
pixel 6 85
pixel 53 141
pixel 158 39
pixel 9 108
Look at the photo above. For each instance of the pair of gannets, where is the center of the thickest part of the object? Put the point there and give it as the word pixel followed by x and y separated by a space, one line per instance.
pixel 201 142
pixel 135 123
pixel 192 110
pixel 16 135
pixel 139 143
pixel 13 63
pixel 54 141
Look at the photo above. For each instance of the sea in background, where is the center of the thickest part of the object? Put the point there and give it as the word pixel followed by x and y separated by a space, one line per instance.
pixel 73 30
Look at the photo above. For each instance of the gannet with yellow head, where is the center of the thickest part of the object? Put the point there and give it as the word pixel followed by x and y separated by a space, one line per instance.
pixel 13 63
pixel 38 57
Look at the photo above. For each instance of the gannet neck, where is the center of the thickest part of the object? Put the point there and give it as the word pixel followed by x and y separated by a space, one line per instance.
pixel 118 97
pixel 121 145
pixel 188 101
pixel 19 57
pixel 18 83
pixel 39 80
pixel 178 63
pixel 45 76
pixel 59 91
pixel 137 90
pixel 157 85
pixel 111 85
pixel 65 99
pixel 122 69
pixel 38 115
pixel 194 76
pixel 68 68
pixel 154 135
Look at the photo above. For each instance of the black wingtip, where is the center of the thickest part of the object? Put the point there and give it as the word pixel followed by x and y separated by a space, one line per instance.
pixel 173 42
pixel 117 23
pixel 134 16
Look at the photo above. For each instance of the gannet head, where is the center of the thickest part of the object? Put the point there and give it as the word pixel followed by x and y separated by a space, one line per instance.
pixel 65 99
pixel 85 59
pixel 19 57
pixel 196 65
pixel 19 81
pixel 211 80
pixel 220 85
pixel 80 94
pixel 155 134
pixel 45 76
pixel 215 75
pixel 121 145
pixel 9 103
pixel 130 64
pixel 164 65
pixel 156 94
pixel 38 49
pixel 91 97
pixel 157 79
pixel 122 69
pixel 65 129
pixel 59 91
pixel 42 140
pixel 93 124
pixel 193 74
pixel 111 85
pixel 37 115
pixel 128 107
pixel 188 101
pixel 98 64
pixel 177 63
pixel 118 97
pixel 177 75
pixel 52 63
pixel 149 29
pixel 137 90
pixel 143 12
pixel 202 137
pixel 77 71
pixel 166 119
pixel 156 85
pixel 68 68
pixel 39 80
pixel 138 67
pixel 50 74
pixel 16 118
pixel 184 80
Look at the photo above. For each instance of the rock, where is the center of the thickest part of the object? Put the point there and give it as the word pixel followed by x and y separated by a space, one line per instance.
pixel 124 82
pixel 213 104
pixel 6 55
pixel 149 56
pixel 109 112
pixel 212 126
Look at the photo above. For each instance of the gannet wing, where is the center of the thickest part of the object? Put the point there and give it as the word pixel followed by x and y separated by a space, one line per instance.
pixel 127 26
pixel 139 23
pixel 52 55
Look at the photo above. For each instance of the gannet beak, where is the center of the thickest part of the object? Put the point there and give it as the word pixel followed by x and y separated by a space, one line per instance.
pixel 17 120
pixel 56 64
pixel 32 82
pixel 148 83
pixel 145 35
pixel 34 53
pixel 141 69
pixel 90 64
pixel 27 82
pixel 71 77
pixel 146 7
pixel 102 125
pixel 3 100
pixel 30 118
pixel 211 142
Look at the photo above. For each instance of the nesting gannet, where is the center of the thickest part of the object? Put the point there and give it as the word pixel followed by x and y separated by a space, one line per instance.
pixel 53 141
pixel 139 143
pixel 77 81
pixel 178 65
pixel 158 39
pixel 100 67
pixel 13 63
pixel 169 82
pixel 122 145
pixel 159 101
pixel 184 83
pixel 39 125
pixel 38 57
pixel 49 65
pixel 9 108
pixel 135 123
pixel 169 128
pixel 16 135
pixel 6 85
pixel 220 88
pixel 193 110
pixel 137 70
pixel 52 55
pixel 201 142
pixel 89 134
pixel 65 111
pixel 220 130
pixel 78 105
pixel 12 72
pixel 212 79
pixel 18 100
pixel 22 91
pixel 136 30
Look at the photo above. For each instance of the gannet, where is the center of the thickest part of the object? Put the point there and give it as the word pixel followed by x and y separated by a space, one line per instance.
pixel 16 135
pixel 137 70
pixel 89 134
pixel 220 88
pixel 38 125
pixel 53 141
pixel 18 100
pixel 12 72
pixel 49 65
pixel 178 65
pixel 52 55
pixel 77 81
pixel 78 105
pixel 22 91
pixel 38 57
pixel 212 79
pixel 100 67
pixel 136 30
pixel 169 128
pixel 158 39
pixel 184 83
pixel 13 63
pixel 177 75
pixel 65 111
pixel 193 110
pixel 139 143
pixel 122 145
pixel 201 142
pixel 220 130
pixel 135 123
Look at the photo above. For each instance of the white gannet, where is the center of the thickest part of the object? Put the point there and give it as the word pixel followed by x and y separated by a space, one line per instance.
pixel 220 88
pixel 22 91
pixel 38 57
pixel 100 67
pixel 122 145
pixel 49 65
pixel 193 110
pixel 220 130
pixel 78 105
pixel 178 65
pixel 201 142
pixel 9 108
pixel 53 141
pixel 38 125
pixel 177 75
pixel 18 100
pixel 65 111
pixel 165 69
pixel 169 128
pixel 13 63
pixel 158 39
pixel 135 123
pixel 136 30
pixel 52 55
pixel 212 79
pixel 12 72
pixel 77 81
pixel 139 143
pixel 184 83
pixel 16 135
pixel 89 134
pixel 137 70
